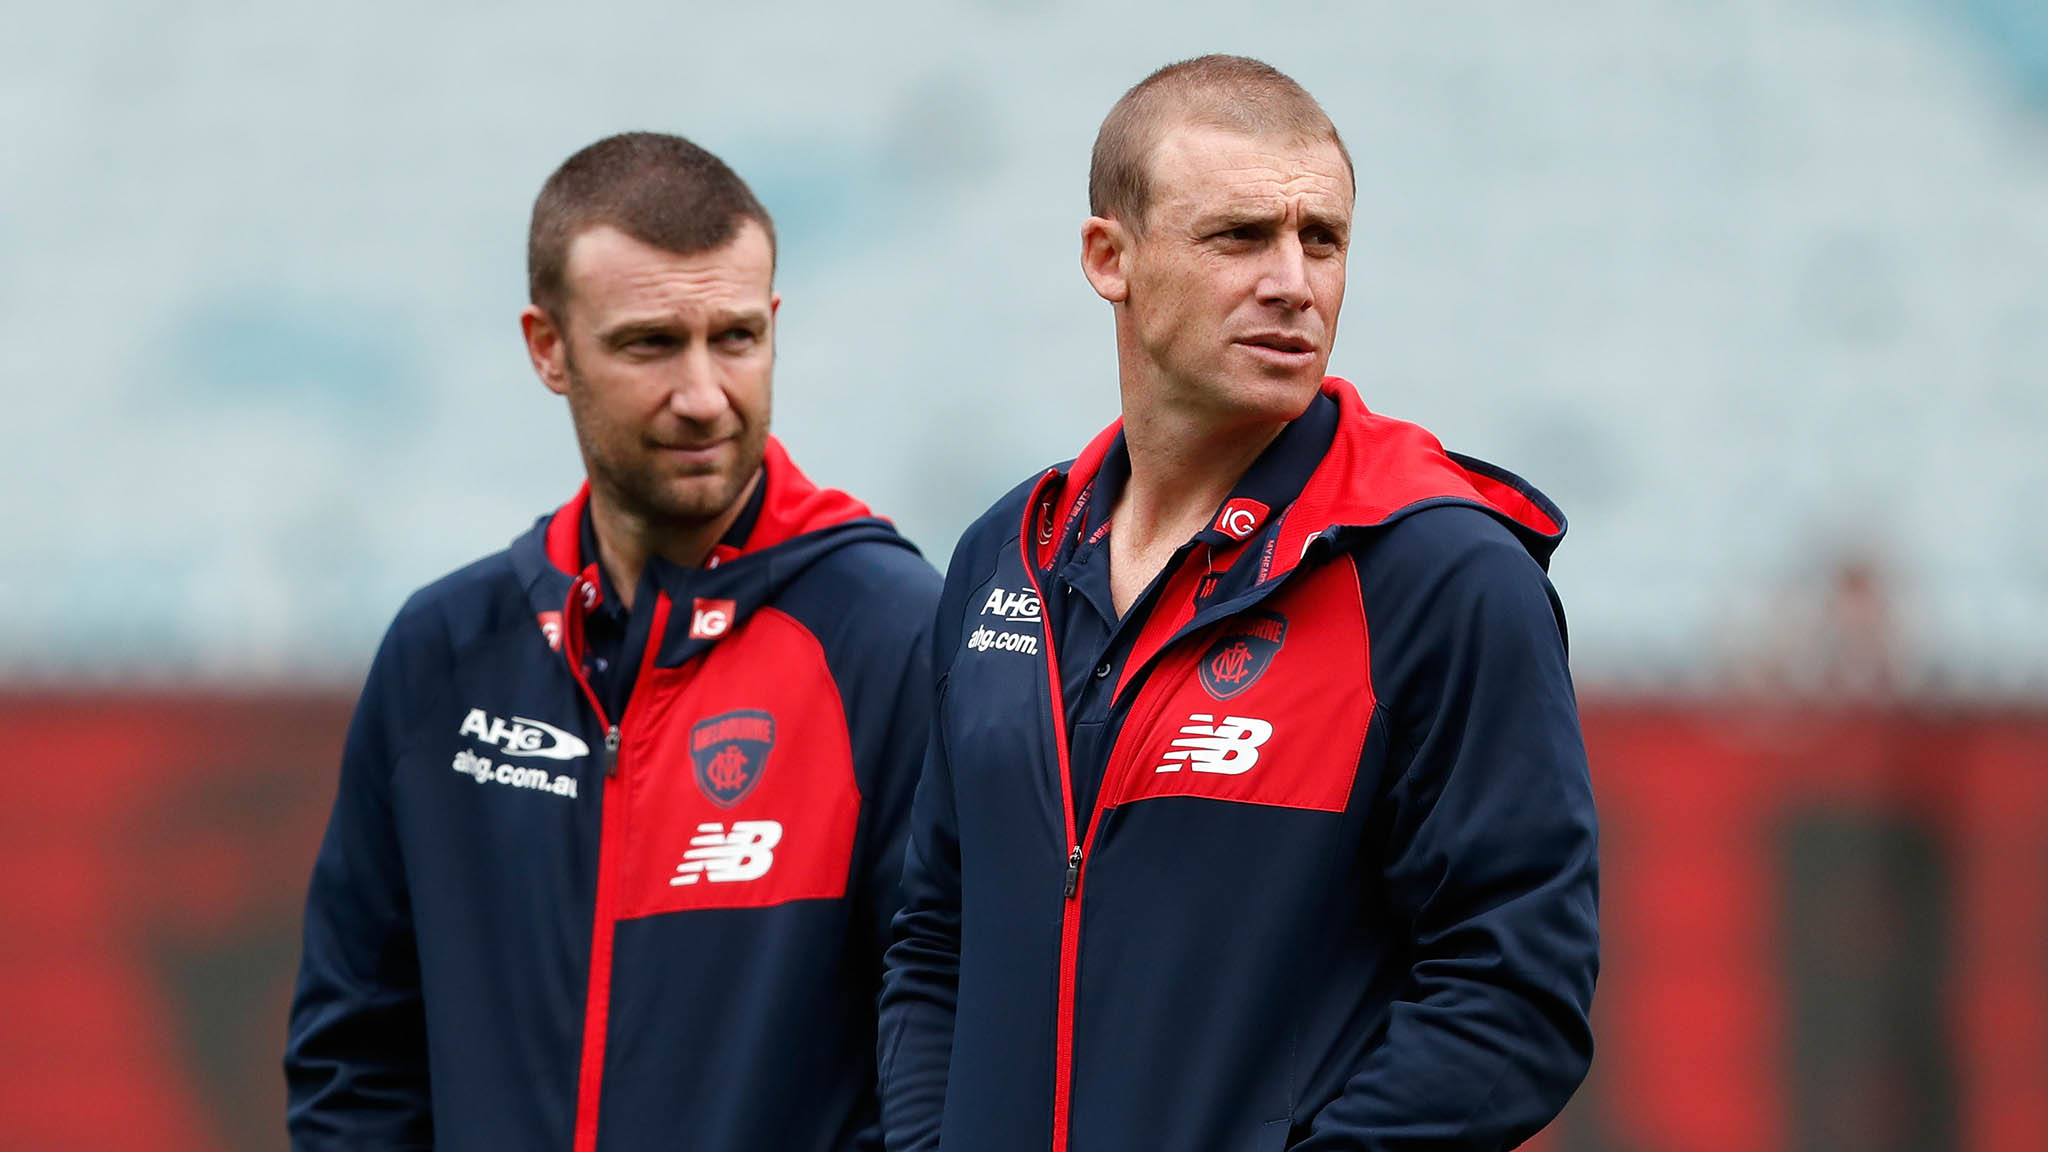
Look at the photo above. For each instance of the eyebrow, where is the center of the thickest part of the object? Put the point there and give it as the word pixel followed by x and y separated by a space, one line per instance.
pixel 1236 218
pixel 1241 217
pixel 630 330
pixel 1340 228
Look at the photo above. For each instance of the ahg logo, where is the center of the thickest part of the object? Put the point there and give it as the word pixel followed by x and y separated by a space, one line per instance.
pixel 522 736
pixel 986 639
pixel 1020 607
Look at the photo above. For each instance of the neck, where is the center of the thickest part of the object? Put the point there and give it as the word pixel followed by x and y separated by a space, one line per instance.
pixel 626 537
pixel 1182 468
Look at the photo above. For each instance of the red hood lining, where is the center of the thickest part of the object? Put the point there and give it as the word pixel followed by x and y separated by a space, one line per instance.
pixel 1375 467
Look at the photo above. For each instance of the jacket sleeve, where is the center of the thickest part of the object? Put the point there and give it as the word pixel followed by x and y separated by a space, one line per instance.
pixel 921 978
pixel 902 694
pixel 896 689
pixel 1488 854
pixel 356 1051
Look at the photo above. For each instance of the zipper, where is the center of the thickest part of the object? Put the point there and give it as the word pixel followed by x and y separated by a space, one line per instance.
pixel 611 831
pixel 1076 873
pixel 1070 918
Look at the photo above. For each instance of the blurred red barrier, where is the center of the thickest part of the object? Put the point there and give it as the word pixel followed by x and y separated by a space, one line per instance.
pixel 1825 928
pixel 158 847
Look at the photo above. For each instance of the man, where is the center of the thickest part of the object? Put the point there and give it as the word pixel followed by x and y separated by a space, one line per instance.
pixel 1255 813
pixel 619 827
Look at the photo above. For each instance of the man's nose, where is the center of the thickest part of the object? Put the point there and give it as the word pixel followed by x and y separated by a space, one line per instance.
pixel 694 392
pixel 1285 282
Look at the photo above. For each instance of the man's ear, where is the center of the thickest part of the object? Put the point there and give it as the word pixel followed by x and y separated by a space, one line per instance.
pixel 1105 246
pixel 547 346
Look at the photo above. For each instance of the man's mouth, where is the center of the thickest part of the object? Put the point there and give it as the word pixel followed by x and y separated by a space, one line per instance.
pixel 1285 342
pixel 698 454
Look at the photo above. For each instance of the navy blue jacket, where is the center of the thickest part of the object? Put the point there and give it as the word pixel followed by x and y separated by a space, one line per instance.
pixel 535 926
pixel 1337 885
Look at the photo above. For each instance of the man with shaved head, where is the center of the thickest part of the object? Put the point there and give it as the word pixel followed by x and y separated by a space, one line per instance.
pixel 1255 814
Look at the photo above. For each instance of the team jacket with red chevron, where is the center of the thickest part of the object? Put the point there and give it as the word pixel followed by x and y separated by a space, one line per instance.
pixel 1336 888
pixel 535 926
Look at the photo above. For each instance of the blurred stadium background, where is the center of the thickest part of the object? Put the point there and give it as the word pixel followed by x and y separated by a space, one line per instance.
pixel 1758 290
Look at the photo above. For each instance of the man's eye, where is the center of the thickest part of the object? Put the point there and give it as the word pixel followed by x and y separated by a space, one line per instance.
pixel 736 337
pixel 1243 233
pixel 1321 239
pixel 653 341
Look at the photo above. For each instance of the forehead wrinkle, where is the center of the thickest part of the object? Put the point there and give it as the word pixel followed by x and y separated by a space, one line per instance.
pixel 1269 205
pixel 646 294
pixel 1191 177
pixel 713 314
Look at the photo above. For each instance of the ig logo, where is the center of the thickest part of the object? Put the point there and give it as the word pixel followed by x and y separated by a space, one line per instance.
pixel 1240 518
pixel 710 619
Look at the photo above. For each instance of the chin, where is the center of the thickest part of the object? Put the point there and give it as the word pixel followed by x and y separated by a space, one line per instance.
pixel 1273 399
pixel 690 500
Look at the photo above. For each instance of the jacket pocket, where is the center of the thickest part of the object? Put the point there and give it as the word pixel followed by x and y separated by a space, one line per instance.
pixel 1271 1137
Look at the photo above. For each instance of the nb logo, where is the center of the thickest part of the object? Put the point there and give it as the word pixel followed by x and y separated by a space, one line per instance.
pixel 1229 748
pixel 719 856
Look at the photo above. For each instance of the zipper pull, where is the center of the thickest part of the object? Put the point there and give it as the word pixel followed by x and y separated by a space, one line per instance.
pixel 611 750
pixel 1073 871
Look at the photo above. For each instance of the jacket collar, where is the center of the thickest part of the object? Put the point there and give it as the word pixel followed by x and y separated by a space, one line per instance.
pixel 1369 471
pixel 790 506
pixel 798 524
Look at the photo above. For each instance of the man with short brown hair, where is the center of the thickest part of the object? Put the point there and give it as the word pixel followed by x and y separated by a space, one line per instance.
pixel 619 826
pixel 1255 814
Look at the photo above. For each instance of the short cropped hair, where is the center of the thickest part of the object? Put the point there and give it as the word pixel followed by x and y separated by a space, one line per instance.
pixel 659 189
pixel 1230 92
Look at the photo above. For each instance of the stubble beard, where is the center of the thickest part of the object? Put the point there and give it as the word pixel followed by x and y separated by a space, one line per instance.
pixel 669 500
pixel 623 465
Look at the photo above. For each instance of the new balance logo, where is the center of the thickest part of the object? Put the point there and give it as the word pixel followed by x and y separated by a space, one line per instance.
pixel 719 856
pixel 1017 607
pixel 1229 748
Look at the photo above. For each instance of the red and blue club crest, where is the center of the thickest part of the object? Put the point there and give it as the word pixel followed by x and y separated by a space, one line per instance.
pixel 1237 658
pixel 730 751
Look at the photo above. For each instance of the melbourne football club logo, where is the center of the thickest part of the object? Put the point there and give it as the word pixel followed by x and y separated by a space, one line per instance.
pixel 1237 658
pixel 730 751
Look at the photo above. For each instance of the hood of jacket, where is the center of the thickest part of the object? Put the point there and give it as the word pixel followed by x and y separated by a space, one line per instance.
pixel 799 525
pixel 1376 471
